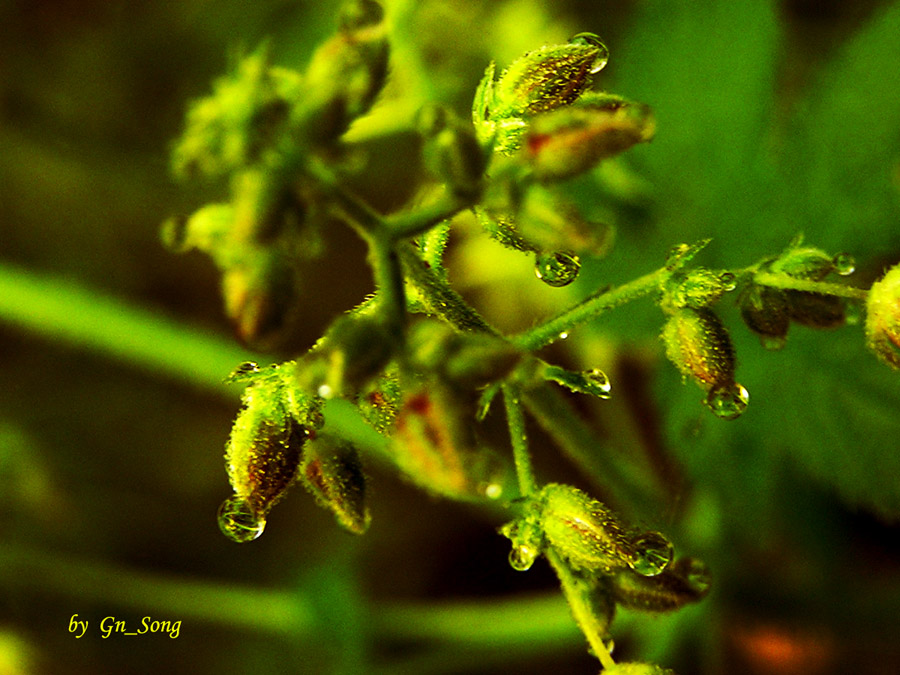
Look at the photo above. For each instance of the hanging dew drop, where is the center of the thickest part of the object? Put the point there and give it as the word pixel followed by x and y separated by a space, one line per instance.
pixel 652 554
pixel 596 383
pixel 697 574
pixel 522 557
pixel 238 521
pixel 727 401
pixel 844 264
pixel 728 281
pixel 556 269
pixel 593 40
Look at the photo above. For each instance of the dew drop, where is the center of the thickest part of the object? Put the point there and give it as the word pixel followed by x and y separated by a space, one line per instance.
pixel 773 342
pixel 598 383
pixel 727 401
pixel 238 521
pixel 844 264
pixel 325 391
pixel 522 557
pixel 243 371
pixel 492 490
pixel 593 40
pixel 563 335
pixel 556 269
pixel 728 281
pixel 652 554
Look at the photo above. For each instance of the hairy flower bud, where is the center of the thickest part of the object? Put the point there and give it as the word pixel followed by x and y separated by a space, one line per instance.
pixel 569 141
pixel 332 473
pixel 883 318
pixel 262 458
pixel 684 581
pixel 697 288
pixel 360 348
pixel 583 530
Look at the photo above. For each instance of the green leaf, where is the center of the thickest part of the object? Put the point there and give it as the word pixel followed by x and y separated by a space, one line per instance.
pixel 843 155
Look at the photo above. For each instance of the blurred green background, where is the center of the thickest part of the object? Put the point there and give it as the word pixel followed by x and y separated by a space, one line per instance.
pixel 773 118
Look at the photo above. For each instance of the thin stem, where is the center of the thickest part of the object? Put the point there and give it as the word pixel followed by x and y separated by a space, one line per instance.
pixel 411 223
pixel 587 621
pixel 519 441
pixel 551 330
pixel 438 297
pixel 786 282
pixel 389 282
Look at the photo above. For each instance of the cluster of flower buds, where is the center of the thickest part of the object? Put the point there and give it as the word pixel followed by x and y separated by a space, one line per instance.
pixel 768 311
pixel 696 340
pixel 244 132
pixel 273 443
pixel 542 125
pixel 883 318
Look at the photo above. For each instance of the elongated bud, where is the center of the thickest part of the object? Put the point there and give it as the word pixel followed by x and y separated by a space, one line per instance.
pixel 583 530
pixel 451 150
pixel 765 311
pixel 548 78
pixel 348 71
pixel 572 140
pixel 883 318
pixel 686 580
pixel 698 343
pixel 697 288
pixel 332 472
pixel 437 450
pixel 804 263
pixel 262 458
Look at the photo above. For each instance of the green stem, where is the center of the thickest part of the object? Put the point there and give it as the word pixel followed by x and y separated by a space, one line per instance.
pixel 411 223
pixel 519 441
pixel 592 626
pixel 63 311
pixel 551 330
pixel 438 297
pixel 789 283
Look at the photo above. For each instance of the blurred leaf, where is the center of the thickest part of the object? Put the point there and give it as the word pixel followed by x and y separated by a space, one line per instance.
pixel 843 157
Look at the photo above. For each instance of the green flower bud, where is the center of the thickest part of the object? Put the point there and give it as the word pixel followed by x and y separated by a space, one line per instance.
pixel 332 472
pixel 360 348
pixel 207 230
pixel 452 151
pixel 883 318
pixel 347 72
pixel 583 530
pixel 696 289
pixel 572 140
pixel 804 263
pixel 262 458
pixel 765 311
pixel 698 343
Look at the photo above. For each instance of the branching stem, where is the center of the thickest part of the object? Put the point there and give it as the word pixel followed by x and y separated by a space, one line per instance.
pixel 519 441
pixel 789 283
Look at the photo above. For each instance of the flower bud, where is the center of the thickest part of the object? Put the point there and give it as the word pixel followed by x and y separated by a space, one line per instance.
pixel 583 530
pixel 765 312
pixel 697 288
pixel 698 343
pixel 883 318
pixel 572 140
pixel 262 458
pixel 360 348
pixel 332 473
pixel 686 580
pixel 452 152
pixel 547 78
pixel 347 72
pixel 804 263
pixel 435 447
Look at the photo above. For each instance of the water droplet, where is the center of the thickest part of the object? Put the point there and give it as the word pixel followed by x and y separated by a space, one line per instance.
pixel 243 371
pixel 652 554
pixel 325 391
pixel 728 281
pixel 844 264
pixel 593 40
pixel 238 521
pixel 563 335
pixel 773 342
pixel 522 557
pixel 696 573
pixel 597 383
pixel 556 269
pixel 727 401
pixel 492 490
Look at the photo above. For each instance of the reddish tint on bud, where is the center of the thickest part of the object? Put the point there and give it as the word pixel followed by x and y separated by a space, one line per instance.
pixel 698 343
pixel 583 530
pixel 883 318
pixel 572 140
pixel 332 472
pixel 684 581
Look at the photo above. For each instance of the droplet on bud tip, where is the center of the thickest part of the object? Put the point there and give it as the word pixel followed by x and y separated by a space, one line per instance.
pixel 238 521
pixel 728 401
pixel 593 40
pixel 844 264
pixel 652 554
